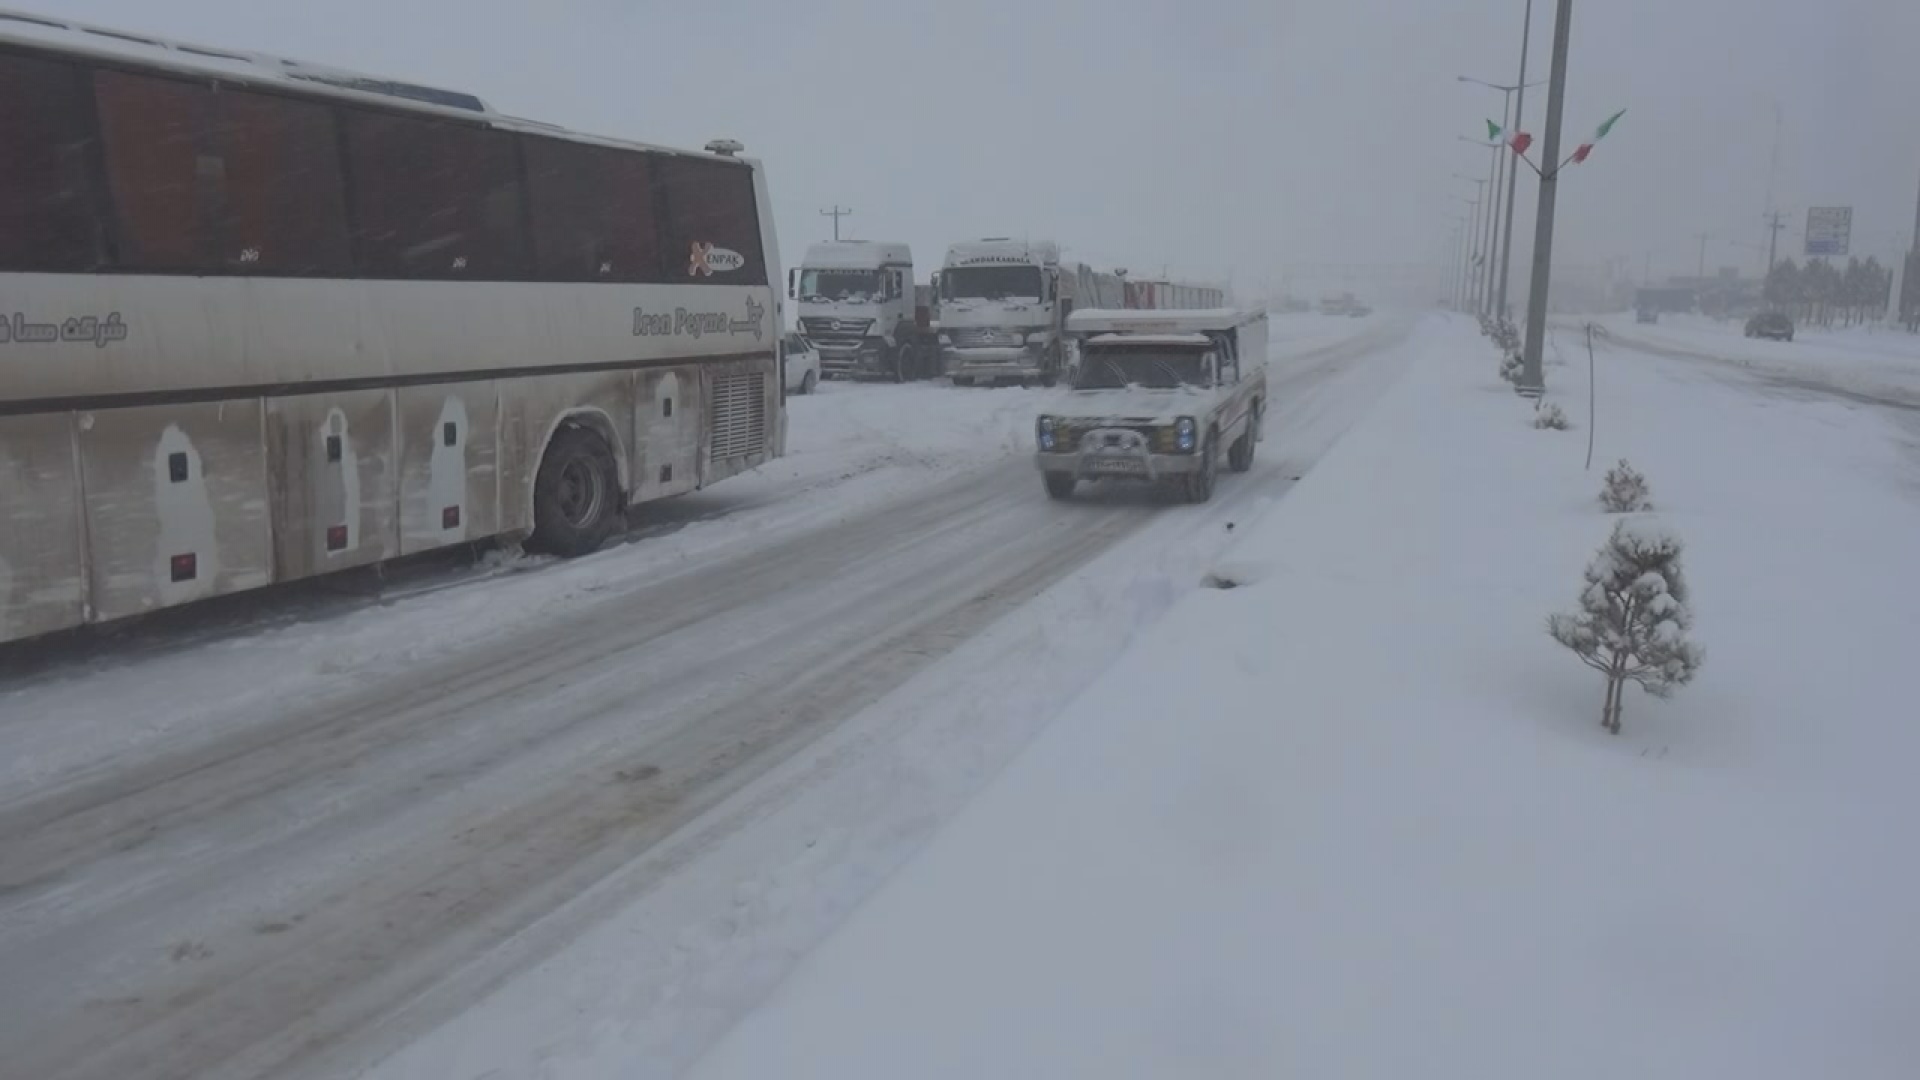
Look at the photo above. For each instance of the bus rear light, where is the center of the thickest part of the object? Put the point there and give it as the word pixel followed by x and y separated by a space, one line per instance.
pixel 337 538
pixel 185 567
pixel 450 518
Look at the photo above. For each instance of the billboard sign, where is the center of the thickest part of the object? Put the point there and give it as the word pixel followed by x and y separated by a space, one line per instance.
pixel 1829 231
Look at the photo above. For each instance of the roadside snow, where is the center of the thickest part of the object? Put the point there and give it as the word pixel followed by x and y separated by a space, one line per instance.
pixel 1355 816
pixel 1873 361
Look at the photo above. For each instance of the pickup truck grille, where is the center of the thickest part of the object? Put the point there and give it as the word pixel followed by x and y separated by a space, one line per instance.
pixel 1161 439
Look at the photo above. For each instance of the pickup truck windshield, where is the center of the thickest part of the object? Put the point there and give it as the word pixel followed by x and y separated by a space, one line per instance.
pixel 1156 369
pixel 859 285
pixel 993 283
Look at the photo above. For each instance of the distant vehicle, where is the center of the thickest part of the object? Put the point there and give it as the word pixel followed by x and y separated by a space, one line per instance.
pixel 1359 311
pixel 860 309
pixel 266 321
pixel 803 365
pixel 1646 315
pixel 1004 305
pixel 1773 325
pixel 1158 396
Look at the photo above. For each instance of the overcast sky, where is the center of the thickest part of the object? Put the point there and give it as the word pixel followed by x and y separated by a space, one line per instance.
pixel 1266 139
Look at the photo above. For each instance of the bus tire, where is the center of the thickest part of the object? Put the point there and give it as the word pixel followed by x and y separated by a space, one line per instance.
pixel 576 495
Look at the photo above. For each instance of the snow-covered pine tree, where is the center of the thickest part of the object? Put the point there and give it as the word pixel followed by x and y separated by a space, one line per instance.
pixel 1633 619
pixel 1625 490
pixel 1510 367
pixel 1550 417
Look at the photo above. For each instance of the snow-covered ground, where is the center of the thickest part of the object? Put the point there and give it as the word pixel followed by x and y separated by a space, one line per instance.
pixel 1873 361
pixel 1357 817
pixel 292 844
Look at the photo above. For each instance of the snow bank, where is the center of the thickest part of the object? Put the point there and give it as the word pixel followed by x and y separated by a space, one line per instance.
pixel 1873 361
pixel 1356 817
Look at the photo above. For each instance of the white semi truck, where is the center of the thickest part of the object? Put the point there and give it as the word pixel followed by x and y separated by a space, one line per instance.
pixel 1004 305
pixel 859 308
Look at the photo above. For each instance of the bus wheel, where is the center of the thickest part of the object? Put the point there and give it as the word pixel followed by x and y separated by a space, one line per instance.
pixel 576 497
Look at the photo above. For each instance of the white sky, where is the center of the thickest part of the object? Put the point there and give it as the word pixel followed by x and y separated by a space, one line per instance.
pixel 1246 137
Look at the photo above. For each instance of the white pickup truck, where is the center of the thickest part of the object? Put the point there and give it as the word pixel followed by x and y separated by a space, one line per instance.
pixel 1157 396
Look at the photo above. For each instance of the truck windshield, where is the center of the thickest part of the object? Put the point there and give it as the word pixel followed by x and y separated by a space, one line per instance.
pixel 855 285
pixel 1156 369
pixel 993 283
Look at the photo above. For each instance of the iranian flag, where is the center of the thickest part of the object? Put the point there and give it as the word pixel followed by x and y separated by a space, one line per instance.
pixel 1519 140
pixel 1580 152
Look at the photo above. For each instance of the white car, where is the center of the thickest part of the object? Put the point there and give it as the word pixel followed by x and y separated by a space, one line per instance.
pixel 803 365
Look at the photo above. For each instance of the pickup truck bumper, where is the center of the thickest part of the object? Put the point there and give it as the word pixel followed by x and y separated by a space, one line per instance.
pixel 1117 464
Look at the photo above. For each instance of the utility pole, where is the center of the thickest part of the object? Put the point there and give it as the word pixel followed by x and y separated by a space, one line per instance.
pixel 1513 167
pixel 1702 237
pixel 1533 381
pixel 1776 220
pixel 836 214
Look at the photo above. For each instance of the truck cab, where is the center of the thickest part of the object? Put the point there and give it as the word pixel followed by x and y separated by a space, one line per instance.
pixel 1157 397
pixel 1001 312
pixel 857 308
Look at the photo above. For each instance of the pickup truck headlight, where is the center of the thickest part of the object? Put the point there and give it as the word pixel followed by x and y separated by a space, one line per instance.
pixel 1183 434
pixel 1046 433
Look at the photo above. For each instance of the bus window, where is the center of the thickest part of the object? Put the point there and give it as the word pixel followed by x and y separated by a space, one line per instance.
pixel 153 131
pixel 212 179
pixel 710 202
pixel 592 210
pixel 286 206
pixel 46 219
pixel 435 200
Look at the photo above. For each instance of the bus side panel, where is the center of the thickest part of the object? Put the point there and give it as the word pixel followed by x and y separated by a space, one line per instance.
pixel 176 504
pixel 531 410
pixel 741 418
pixel 42 579
pixel 335 504
pixel 449 464
pixel 666 433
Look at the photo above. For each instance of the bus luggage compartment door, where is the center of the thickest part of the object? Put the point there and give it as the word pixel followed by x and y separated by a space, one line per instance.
pixel 335 503
pixel 42 578
pixel 176 504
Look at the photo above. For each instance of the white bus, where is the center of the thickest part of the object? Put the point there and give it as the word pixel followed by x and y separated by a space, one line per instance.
pixel 261 320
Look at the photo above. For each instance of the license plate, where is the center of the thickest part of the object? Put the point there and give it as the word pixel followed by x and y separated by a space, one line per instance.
pixel 1117 465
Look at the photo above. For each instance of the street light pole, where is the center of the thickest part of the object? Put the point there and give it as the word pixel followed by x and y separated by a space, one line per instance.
pixel 1493 226
pixel 1474 237
pixel 1513 169
pixel 1533 380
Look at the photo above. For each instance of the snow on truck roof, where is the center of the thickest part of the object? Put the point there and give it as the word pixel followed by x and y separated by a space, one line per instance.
pixel 1150 339
pixel 1000 251
pixel 241 66
pixel 855 255
pixel 1133 321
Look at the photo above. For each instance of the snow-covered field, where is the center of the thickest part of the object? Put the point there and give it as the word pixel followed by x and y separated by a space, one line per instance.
pixel 1356 816
pixel 1872 361
pixel 292 843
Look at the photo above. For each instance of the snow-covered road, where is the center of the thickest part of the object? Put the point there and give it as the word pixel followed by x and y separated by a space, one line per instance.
pixel 247 856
